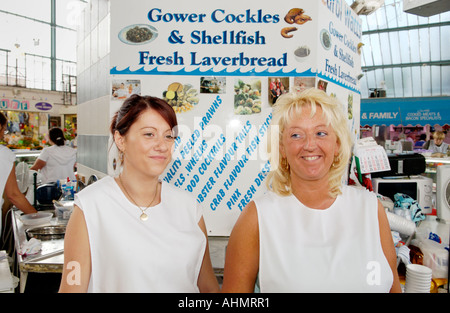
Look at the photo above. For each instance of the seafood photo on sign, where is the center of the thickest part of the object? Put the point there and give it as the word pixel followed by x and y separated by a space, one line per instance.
pixel 138 34
pixel 247 97
pixel 181 97
pixel 350 106
pixel 325 39
pixel 212 84
pixel 302 53
pixel 294 16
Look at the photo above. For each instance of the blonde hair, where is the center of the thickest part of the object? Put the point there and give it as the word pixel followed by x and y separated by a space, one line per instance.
pixel 438 135
pixel 288 107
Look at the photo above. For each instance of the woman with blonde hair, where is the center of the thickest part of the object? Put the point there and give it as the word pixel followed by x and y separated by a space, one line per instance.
pixel 310 232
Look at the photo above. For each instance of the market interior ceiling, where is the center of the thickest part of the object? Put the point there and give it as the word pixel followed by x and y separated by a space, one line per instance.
pixel 407 54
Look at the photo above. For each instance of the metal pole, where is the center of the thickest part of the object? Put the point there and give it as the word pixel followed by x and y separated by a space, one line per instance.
pixel 53 45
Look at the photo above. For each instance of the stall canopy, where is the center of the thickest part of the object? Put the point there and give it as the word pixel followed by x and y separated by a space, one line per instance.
pixel 405 111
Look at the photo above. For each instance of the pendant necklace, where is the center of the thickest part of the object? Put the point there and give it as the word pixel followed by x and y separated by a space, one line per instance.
pixel 143 216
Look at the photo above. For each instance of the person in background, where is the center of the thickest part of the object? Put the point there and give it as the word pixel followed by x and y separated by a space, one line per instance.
pixel 310 232
pixel 134 232
pixel 422 140
pixel 8 182
pixel 57 161
pixel 437 145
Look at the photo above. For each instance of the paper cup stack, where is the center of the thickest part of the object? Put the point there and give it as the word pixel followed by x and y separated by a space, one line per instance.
pixel 418 279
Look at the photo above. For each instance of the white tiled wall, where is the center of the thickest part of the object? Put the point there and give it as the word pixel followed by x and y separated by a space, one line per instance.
pixel 94 116
pixel 94 88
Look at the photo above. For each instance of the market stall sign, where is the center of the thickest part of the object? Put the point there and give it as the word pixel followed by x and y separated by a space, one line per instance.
pixel 237 40
pixel 413 111
pixel 14 104
pixel 43 106
pixel 221 66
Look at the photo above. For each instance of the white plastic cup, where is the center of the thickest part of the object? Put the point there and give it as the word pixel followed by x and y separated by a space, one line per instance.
pixel 401 224
pixel 418 279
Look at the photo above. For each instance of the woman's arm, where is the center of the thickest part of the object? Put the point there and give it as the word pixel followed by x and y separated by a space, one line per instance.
pixel 388 246
pixel 38 164
pixel 242 257
pixel 207 281
pixel 77 255
pixel 14 195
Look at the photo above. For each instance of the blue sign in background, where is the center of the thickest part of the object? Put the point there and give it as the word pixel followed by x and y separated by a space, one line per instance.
pixel 405 111
pixel 43 106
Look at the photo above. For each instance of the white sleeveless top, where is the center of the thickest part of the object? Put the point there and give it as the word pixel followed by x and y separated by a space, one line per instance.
pixel 442 148
pixel 333 250
pixel 162 254
pixel 7 158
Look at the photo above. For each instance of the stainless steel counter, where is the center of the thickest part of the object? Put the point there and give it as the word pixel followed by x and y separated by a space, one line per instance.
pixel 51 257
pixel 49 260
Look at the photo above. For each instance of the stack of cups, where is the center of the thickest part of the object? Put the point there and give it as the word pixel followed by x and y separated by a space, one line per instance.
pixel 401 224
pixel 418 279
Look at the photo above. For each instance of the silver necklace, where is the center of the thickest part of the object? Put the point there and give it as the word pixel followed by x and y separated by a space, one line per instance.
pixel 143 216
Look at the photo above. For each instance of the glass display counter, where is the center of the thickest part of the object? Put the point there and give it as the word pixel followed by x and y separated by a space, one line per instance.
pixel 27 156
pixel 431 165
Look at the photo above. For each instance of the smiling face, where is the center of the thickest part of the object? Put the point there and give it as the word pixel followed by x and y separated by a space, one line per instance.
pixel 310 145
pixel 147 145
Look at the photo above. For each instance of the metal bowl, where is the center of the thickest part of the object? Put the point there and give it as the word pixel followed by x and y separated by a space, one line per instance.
pixel 47 232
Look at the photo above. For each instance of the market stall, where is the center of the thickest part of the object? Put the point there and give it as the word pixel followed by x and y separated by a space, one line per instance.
pixel 393 121
pixel 415 172
pixel 222 67
pixel 389 118
pixel 31 114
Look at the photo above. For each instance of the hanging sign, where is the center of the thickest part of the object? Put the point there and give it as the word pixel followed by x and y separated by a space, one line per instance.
pixel 222 66
pixel 406 111
pixel 43 106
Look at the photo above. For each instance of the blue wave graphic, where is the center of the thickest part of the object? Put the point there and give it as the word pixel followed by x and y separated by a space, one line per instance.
pixel 337 82
pixel 211 72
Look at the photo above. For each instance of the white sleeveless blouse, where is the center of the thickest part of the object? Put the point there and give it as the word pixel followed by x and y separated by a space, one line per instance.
pixel 162 254
pixel 333 250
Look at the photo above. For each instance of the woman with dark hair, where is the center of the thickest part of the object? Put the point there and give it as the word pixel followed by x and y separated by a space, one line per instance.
pixel 57 161
pixel 134 232
pixel 8 182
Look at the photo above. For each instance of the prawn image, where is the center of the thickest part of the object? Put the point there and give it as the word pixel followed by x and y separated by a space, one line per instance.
pixel 294 16
pixel 285 32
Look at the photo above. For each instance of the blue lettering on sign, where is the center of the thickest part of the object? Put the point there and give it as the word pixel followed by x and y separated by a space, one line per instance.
pixel 219 16
pixel 231 37
pixel 247 196
pixel 240 60
pixel 155 15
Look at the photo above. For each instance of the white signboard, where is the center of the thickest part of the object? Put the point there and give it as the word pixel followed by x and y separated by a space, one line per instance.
pixel 222 65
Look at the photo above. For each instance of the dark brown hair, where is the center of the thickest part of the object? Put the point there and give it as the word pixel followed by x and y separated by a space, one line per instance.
pixel 3 119
pixel 134 105
pixel 57 136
